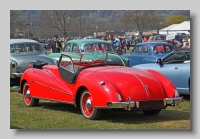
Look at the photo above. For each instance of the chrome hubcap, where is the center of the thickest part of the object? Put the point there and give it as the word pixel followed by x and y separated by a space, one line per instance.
pixel 88 104
pixel 28 93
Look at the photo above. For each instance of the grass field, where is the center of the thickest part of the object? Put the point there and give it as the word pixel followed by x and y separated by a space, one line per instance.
pixel 52 115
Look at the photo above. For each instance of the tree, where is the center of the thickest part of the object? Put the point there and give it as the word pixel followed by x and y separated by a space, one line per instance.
pixel 125 21
pixel 175 19
pixel 140 18
pixel 79 14
pixel 14 21
pixel 157 22
pixel 58 19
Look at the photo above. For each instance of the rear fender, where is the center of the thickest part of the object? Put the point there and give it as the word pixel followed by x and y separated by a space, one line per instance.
pixel 167 85
pixel 101 89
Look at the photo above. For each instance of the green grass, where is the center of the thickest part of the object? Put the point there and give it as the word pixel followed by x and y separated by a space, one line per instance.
pixel 52 115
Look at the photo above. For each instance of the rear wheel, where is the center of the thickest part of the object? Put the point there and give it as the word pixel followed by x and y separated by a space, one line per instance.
pixel 28 100
pixel 152 112
pixel 87 108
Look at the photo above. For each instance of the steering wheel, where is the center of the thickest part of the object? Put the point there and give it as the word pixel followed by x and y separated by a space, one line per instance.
pixel 98 62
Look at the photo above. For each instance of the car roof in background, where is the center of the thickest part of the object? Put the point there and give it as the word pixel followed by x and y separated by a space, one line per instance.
pixel 21 41
pixel 83 41
pixel 153 43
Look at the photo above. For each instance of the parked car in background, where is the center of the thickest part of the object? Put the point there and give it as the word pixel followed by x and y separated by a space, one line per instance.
pixel 42 40
pixel 176 67
pixel 23 51
pixel 97 85
pixel 159 37
pixel 147 52
pixel 93 46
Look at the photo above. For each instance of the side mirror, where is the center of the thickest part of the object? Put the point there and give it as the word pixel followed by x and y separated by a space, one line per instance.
pixel 159 61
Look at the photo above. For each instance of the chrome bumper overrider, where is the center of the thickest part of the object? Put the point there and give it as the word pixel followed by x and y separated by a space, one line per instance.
pixel 17 74
pixel 128 105
pixel 173 101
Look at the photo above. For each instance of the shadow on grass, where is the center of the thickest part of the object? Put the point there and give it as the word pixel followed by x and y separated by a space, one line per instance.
pixel 15 127
pixel 186 97
pixel 125 117
pixel 138 117
pixel 60 107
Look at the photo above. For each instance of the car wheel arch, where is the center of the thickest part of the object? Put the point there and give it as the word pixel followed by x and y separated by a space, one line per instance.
pixel 78 95
pixel 22 84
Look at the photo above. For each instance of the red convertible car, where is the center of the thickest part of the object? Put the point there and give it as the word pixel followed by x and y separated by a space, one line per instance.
pixel 97 85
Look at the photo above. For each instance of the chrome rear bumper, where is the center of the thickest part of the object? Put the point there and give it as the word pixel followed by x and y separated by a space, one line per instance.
pixel 128 105
pixel 15 75
pixel 173 101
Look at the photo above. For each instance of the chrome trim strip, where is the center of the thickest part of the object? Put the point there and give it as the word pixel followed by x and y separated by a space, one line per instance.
pixel 145 87
pixel 17 74
pixel 52 88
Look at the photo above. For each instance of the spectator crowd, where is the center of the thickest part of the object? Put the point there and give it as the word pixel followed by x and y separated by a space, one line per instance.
pixel 121 44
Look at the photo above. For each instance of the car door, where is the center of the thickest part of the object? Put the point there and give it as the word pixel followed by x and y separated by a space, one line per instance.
pixel 62 85
pixel 171 71
pixel 135 56
pixel 146 56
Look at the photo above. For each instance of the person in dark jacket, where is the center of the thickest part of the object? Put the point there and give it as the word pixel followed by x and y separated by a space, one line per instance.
pixel 55 45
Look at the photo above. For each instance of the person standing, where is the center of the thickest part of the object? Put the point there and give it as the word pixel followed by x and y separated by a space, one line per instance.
pixel 48 43
pixel 151 39
pixel 145 39
pixel 115 42
pixel 128 43
pixel 137 40
pixel 55 45
pixel 188 46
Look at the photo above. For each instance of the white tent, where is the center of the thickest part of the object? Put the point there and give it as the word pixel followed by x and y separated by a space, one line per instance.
pixel 166 29
pixel 169 27
pixel 183 27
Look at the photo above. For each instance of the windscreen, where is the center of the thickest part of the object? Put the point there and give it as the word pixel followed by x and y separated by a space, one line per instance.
pixel 23 47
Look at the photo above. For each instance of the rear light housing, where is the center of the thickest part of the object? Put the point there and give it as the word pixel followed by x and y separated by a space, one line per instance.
pixel 13 64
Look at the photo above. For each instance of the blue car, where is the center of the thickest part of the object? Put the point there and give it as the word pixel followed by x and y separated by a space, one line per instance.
pixel 148 52
pixel 176 67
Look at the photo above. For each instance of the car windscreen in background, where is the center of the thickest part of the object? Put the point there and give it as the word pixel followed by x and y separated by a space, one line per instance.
pixel 29 47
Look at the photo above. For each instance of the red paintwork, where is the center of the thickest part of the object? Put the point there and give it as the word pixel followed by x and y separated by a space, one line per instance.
pixel 48 84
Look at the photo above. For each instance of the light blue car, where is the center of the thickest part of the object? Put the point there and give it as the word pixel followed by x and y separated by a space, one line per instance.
pixel 176 67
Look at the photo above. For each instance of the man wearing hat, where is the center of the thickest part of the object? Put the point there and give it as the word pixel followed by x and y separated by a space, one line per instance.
pixel 55 45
